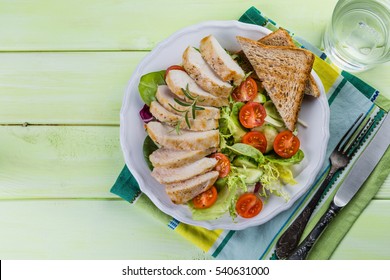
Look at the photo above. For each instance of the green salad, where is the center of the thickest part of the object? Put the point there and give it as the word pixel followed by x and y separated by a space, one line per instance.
pixel 255 154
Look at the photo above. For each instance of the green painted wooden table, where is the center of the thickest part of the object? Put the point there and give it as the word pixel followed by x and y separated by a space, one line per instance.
pixel 63 69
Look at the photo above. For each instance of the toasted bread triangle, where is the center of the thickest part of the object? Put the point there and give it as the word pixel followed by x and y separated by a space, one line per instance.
pixel 283 72
pixel 281 37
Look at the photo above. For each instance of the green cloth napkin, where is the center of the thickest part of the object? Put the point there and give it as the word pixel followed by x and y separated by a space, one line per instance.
pixel 343 89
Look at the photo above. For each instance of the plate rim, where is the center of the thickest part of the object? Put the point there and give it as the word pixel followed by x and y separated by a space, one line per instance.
pixel 245 223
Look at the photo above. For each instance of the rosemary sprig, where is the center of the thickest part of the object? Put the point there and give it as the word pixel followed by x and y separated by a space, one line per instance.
pixel 190 107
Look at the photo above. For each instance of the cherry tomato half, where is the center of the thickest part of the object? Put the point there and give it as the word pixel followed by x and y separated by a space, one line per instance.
pixel 255 139
pixel 248 205
pixel 286 144
pixel 223 164
pixel 173 67
pixel 246 91
pixel 252 114
pixel 205 199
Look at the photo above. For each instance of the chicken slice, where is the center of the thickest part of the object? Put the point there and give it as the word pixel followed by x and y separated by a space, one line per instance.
pixel 184 191
pixel 203 75
pixel 174 158
pixel 178 80
pixel 167 175
pixel 166 98
pixel 220 61
pixel 167 137
pixel 165 116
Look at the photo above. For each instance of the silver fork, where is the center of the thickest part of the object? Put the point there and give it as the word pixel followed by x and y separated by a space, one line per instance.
pixel 339 159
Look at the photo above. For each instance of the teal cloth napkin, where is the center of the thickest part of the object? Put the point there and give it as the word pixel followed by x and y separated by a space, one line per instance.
pixel 258 242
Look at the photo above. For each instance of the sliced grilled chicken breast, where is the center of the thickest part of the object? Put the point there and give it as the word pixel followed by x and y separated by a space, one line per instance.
pixel 184 191
pixel 174 158
pixel 166 98
pixel 178 80
pixel 220 61
pixel 203 75
pixel 167 137
pixel 165 116
pixel 167 175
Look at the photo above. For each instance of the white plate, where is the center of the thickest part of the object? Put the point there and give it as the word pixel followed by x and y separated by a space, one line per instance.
pixel 314 138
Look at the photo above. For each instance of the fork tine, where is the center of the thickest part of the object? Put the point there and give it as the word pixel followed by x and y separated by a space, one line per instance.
pixel 344 140
pixel 354 137
pixel 360 137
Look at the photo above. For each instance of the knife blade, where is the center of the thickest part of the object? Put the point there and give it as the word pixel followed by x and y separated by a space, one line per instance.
pixel 361 170
pixel 364 165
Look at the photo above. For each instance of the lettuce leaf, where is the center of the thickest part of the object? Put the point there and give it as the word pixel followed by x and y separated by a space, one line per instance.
pixel 148 84
pixel 234 185
pixel 220 207
pixel 295 159
pixel 229 125
pixel 285 174
pixel 148 147
pixel 271 181
pixel 247 150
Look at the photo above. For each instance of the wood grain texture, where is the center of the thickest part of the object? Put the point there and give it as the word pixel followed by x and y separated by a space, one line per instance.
pixel 104 24
pixel 64 65
pixel 64 88
pixel 87 229
pixel 58 161
pixel 100 229
pixel 368 238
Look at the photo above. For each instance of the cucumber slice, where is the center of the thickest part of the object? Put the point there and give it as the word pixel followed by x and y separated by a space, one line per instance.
pixel 273 122
pixel 260 98
pixel 252 175
pixel 270 133
pixel 243 161
pixel 271 110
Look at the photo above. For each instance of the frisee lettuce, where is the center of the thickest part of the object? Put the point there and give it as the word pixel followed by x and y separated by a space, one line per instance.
pixel 230 128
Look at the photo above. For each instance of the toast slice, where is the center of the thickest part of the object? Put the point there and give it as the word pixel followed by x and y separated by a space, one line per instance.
pixel 283 72
pixel 281 38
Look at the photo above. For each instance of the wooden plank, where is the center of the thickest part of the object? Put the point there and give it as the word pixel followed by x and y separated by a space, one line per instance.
pixel 86 229
pixel 81 87
pixel 369 236
pixel 65 162
pixel 58 161
pixel 64 88
pixel 100 229
pixel 131 25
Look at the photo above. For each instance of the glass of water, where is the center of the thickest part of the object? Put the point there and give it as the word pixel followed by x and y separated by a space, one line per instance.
pixel 358 37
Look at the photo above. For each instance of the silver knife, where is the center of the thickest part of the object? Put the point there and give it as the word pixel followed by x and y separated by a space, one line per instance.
pixel 363 167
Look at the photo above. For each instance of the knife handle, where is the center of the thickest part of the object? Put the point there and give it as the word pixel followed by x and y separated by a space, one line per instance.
pixel 292 235
pixel 304 248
